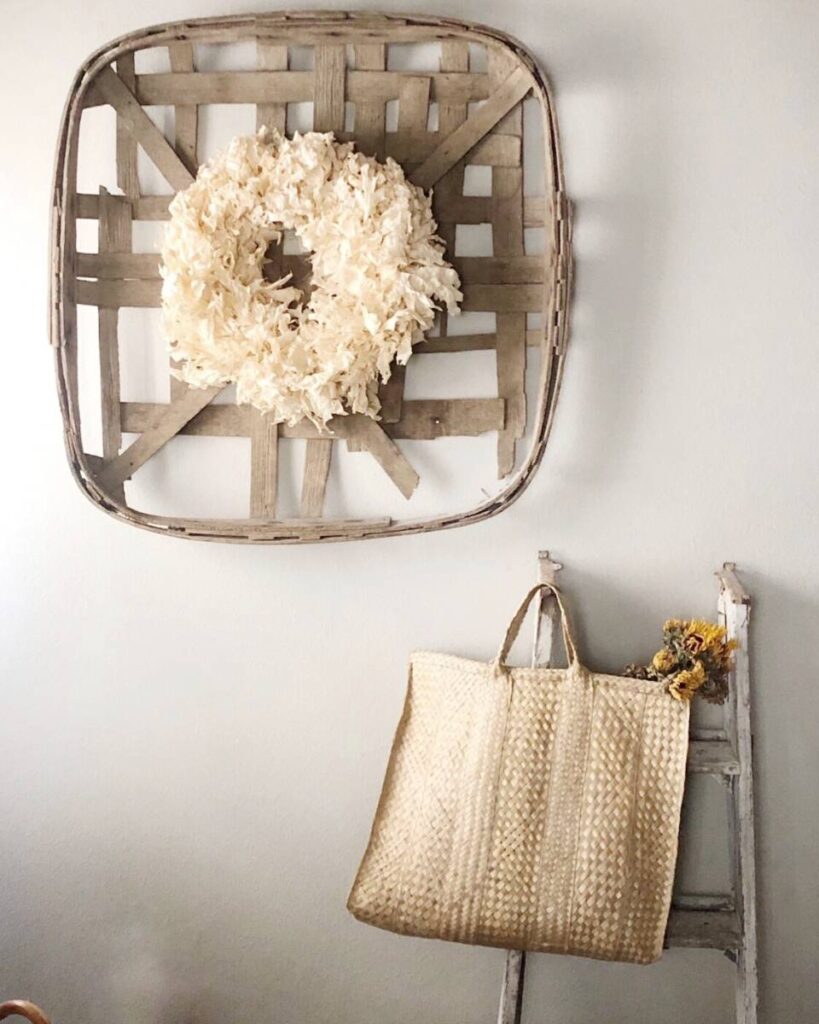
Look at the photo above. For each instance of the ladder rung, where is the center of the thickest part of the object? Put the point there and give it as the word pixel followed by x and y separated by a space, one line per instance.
pixel 703 929
pixel 715 757
pixel 703 901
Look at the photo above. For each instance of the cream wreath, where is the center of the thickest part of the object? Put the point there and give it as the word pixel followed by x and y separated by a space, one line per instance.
pixel 378 270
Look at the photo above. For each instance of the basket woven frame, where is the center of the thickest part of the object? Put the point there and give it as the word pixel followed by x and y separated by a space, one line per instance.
pixel 480 122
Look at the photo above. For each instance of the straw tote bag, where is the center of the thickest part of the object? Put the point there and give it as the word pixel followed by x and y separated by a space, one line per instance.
pixel 528 808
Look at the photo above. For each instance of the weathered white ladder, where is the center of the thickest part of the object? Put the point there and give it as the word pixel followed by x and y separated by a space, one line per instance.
pixel 726 921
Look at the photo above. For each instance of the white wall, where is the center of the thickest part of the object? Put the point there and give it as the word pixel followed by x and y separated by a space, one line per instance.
pixel 193 735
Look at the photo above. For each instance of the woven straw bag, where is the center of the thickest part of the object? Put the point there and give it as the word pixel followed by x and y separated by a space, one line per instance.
pixel 528 808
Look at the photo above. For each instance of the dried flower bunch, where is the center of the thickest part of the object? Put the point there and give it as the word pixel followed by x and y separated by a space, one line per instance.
pixel 696 657
pixel 378 271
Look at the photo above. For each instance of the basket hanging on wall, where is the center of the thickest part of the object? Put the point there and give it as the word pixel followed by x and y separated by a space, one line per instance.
pixel 474 105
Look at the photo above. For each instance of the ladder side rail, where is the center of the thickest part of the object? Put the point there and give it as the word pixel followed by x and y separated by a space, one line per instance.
pixel 734 611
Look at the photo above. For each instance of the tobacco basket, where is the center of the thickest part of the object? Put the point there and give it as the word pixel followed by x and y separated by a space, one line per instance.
pixel 465 113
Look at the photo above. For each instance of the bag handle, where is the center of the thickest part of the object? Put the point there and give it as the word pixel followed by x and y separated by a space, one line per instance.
pixel 520 615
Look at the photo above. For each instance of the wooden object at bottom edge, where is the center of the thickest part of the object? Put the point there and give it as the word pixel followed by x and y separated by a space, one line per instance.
pixel 23 1008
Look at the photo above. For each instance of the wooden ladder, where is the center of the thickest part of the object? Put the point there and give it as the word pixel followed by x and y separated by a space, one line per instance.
pixel 725 921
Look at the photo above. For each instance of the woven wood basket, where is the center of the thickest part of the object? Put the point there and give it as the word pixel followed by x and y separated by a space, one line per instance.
pixel 479 107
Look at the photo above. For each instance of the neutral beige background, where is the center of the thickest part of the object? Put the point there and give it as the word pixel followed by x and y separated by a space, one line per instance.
pixel 193 735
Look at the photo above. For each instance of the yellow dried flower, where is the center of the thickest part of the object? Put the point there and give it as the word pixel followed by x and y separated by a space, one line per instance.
pixel 696 657
pixel 684 684
pixel 725 654
pixel 664 661
pixel 701 635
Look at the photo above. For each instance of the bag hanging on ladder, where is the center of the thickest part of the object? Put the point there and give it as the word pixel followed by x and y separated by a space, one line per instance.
pixel 528 808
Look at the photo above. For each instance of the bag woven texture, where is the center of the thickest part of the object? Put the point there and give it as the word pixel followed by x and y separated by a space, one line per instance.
pixel 529 808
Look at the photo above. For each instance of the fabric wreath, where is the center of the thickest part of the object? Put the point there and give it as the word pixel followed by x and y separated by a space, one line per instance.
pixel 378 271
